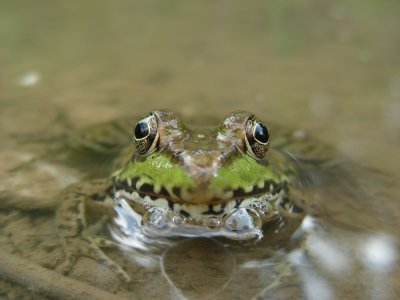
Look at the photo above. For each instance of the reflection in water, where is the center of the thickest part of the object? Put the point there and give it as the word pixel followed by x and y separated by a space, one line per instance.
pixel 181 262
pixel 328 254
pixel 137 231
pixel 314 286
pixel 133 242
pixel 197 274
pixel 320 255
pixel 379 255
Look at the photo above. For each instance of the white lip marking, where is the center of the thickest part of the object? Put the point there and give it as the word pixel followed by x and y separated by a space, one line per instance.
pixel 216 207
pixel 139 184
pixel 197 211
pixel 227 195
pixel 157 188
pixel 230 205
pixel 160 202
pixel 248 189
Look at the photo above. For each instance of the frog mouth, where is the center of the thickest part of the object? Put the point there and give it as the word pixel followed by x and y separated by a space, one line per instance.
pixel 199 196
pixel 260 197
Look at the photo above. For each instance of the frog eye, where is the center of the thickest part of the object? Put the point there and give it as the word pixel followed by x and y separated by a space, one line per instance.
pixel 257 138
pixel 146 135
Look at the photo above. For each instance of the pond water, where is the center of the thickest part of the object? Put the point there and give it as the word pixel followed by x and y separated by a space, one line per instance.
pixel 326 69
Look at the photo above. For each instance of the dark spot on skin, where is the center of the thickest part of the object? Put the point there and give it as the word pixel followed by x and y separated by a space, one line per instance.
pixel 134 182
pixel 171 205
pixel 288 205
pixel 297 209
pixel 177 191
pixel 164 193
pixel 153 197
pixel 211 210
pixel 184 213
pixel 238 202
pixel 142 195
pixel 284 202
pixel 278 188
pixel 147 189
pixel 240 193
pixel 124 186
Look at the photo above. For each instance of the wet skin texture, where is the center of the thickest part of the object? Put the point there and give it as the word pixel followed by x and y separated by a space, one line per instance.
pixel 198 173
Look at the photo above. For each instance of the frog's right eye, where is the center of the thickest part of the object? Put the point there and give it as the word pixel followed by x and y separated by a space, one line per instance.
pixel 146 135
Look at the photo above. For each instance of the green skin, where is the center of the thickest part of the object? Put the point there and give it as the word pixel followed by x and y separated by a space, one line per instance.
pixel 197 173
pixel 161 171
pixel 191 169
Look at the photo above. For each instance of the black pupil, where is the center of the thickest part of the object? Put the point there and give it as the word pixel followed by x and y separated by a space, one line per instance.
pixel 261 133
pixel 141 130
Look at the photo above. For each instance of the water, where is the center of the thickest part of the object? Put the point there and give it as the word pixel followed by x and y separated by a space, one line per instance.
pixel 327 69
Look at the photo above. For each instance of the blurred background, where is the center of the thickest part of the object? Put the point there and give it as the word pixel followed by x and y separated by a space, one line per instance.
pixel 331 68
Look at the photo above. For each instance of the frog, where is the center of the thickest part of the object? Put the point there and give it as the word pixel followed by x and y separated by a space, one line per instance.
pixel 224 179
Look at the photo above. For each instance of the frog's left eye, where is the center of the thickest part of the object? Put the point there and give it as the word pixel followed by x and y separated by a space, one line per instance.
pixel 257 138
pixel 146 135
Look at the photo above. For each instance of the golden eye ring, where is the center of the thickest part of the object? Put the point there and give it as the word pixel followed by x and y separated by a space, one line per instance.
pixel 146 135
pixel 257 138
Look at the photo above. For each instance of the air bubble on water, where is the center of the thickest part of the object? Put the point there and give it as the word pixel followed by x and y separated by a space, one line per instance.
pixel 178 219
pixel 242 219
pixel 213 222
pixel 201 221
pixel 156 217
